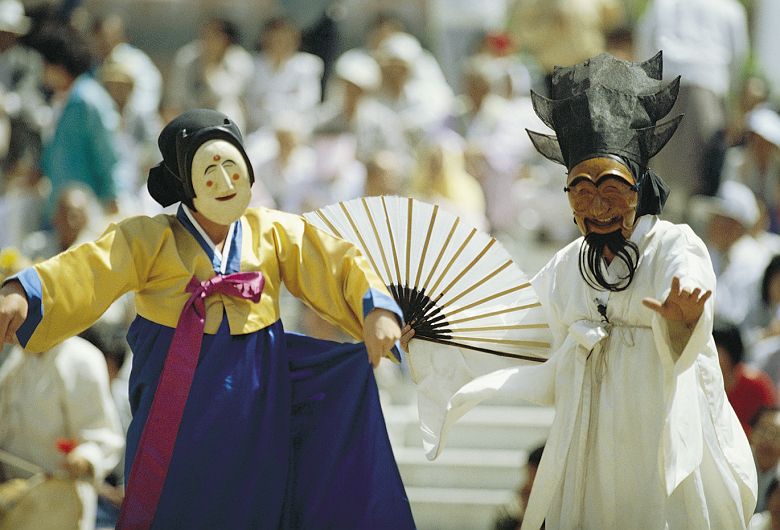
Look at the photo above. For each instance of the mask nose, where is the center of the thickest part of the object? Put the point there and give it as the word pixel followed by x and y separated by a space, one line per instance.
pixel 224 180
pixel 599 206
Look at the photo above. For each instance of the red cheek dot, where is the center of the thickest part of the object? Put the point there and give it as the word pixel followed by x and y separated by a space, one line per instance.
pixel 235 176
pixel 209 183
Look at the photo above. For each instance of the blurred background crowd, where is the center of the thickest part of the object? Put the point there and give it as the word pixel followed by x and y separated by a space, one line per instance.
pixel 339 99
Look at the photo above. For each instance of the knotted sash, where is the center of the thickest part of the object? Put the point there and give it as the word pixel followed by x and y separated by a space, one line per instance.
pixel 155 448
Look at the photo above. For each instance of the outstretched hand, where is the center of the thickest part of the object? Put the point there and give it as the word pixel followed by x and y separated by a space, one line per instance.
pixel 13 310
pixel 380 333
pixel 682 305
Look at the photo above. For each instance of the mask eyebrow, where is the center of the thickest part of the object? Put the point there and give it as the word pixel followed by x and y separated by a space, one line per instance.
pixel 612 177
pixel 210 168
pixel 578 179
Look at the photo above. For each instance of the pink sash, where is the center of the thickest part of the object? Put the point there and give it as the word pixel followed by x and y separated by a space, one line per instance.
pixel 150 466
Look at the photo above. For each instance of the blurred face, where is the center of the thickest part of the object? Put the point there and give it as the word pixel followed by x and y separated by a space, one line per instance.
pixel 214 41
pixel 56 77
pixel 283 40
pixel 395 73
pixel 220 179
pixel 765 438
pixel 476 87
pixel 71 216
pixel 774 289
pixel 600 195
pixel 773 504
pixel 723 232
pixel 525 489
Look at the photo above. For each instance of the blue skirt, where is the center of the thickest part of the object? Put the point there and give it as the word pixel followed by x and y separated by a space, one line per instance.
pixel 279 431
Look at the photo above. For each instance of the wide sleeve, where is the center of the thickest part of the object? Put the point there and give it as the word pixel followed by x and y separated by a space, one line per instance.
pixel 329 274
pixel 90 413
pixel 683 254
pixel 70 291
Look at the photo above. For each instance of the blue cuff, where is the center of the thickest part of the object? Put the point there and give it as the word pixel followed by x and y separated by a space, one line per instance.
pixel 374 299
pixel 31 283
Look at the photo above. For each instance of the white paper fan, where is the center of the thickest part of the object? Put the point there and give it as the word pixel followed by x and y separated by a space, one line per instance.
pixel 456 285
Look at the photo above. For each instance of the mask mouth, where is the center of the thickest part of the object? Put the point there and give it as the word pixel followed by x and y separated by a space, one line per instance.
pixel 608 223
pixel 226 197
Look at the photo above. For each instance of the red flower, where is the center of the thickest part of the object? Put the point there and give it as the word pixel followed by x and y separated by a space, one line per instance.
pixel 500 44
pixel 66 445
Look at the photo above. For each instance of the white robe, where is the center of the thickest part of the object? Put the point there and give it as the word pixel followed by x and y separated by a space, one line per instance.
pixel 61 393
pixel 643 437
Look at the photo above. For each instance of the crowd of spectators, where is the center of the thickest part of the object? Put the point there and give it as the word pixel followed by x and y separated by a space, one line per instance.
pixel 81 108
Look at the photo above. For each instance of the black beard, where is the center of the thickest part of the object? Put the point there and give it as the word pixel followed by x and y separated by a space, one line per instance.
pixel 592 258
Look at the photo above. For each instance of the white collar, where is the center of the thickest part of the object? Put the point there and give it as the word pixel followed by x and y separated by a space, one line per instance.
pixel 225 248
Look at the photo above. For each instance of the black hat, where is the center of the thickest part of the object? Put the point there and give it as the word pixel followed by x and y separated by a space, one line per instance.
pixel 170 181
pixel 606 106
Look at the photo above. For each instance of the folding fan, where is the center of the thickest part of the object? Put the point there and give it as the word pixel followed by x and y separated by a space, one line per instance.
pixel 456 285
pixel 473 310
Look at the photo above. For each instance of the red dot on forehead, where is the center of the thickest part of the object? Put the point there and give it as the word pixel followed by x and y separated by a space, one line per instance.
pixel 215 158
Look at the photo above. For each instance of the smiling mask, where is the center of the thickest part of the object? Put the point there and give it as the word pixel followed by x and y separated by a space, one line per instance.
pixel 204 166
pixel 220 181
pixel 603 197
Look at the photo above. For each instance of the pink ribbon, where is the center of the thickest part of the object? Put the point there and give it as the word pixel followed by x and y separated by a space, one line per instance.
pixel 150 466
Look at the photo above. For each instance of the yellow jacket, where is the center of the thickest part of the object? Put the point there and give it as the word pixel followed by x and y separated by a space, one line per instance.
pixel 156 257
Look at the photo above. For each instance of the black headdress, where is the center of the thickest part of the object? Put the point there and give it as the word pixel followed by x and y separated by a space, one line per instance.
pixel 606 106
pixel 170 181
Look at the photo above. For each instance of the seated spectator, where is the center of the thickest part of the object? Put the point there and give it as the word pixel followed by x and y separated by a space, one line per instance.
pixel 81 146
pixel 136 136
pixel 747 389
pixel 756 162
pixel 56 413
pixel 383 175
pixel 738 259
pixel 511 518
pixel 77 218
pixel 285 78
pixel 109 338
pixel 421 103
pixel 112 47
pixel 284 165
pixel 22 104
pixel 354 109
pixel 765 440
pixel 212 71
pixel 441 178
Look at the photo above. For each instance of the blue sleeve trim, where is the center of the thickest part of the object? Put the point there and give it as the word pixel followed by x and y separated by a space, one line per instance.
pixel 31 283
pixel 374 299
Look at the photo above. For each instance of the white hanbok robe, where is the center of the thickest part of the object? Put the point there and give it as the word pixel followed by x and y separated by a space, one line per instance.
pixel 643 437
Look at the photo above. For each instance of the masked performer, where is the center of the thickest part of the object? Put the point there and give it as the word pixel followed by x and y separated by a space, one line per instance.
pixel 643 435
pixel 236 424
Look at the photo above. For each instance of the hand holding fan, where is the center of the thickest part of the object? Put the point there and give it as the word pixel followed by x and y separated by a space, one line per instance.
pixel 473 310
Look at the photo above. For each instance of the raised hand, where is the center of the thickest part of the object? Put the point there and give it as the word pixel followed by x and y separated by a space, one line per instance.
pixel 13 310
pixel 380 332
pixel 682 305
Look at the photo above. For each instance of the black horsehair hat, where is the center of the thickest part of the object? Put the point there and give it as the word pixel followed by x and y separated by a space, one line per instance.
pixel 606 106
pixel 170 181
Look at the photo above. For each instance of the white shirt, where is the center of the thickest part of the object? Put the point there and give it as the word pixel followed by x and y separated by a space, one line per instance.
pixel 739 279
pixel 704 41
pixel 61 393
pixel 295 86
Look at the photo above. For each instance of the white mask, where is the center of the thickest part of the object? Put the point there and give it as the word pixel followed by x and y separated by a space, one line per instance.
pixel 220 180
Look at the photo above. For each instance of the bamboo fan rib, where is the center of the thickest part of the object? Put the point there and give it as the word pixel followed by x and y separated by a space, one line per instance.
pixel 456 285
